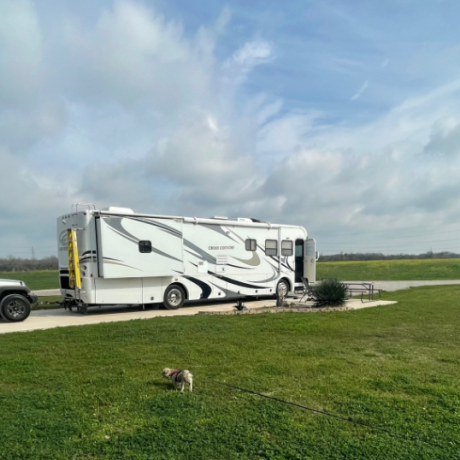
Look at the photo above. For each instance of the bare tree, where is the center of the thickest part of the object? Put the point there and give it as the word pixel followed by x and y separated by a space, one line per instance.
pixel 16 264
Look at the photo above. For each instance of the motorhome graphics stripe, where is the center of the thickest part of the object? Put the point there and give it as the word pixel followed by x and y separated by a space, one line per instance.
pixel 164 227
pixel 238 236
pixel 115 225
pixel 235 282
pixel 161 253
pixel 237 266
pixel 120 230
pixel 286 259
pixel 273 277
pixel 217 228
pixel 213 261
pixel 205 289
pixel 108 260
pixel 228 265
pixel 276 259
pixel 254 261
pixel 199 252
pixel 87 258
pixel 227 292
pixel 204 255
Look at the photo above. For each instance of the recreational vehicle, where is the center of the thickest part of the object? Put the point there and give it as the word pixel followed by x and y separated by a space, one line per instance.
pixel 118 256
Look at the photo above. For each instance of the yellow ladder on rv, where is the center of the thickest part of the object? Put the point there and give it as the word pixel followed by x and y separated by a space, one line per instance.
pixel 74 263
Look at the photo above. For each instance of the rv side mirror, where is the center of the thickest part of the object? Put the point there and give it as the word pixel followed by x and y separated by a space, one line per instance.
pixel 316 255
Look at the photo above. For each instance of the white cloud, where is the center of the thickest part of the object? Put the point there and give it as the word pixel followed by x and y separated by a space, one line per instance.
pixel 133 110
pixel 253 53
pixel 360 91
pixel 21 53
pixel 245 59
pixel 134 56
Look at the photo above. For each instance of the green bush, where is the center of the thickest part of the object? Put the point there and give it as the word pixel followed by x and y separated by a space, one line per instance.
pixel 329 292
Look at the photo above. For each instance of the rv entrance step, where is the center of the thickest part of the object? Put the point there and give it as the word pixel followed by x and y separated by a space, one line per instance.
pixel 365 289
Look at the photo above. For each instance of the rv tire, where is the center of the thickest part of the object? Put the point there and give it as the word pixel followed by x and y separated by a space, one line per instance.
pixel 282 288
pixel 15 307
pixel 174 297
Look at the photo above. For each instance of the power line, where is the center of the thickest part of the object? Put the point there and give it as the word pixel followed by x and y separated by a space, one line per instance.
pixel 414 237
pixel 328 414
pixel 397 229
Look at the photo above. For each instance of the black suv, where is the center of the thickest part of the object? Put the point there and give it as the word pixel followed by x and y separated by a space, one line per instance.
pixel 15 300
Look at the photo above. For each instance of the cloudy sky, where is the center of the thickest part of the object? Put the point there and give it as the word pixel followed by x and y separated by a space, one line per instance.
pixel 342 116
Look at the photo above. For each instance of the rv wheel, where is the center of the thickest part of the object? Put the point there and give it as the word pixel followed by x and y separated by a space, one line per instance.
pixel 282 288
pixel 174 297
pixel 15 307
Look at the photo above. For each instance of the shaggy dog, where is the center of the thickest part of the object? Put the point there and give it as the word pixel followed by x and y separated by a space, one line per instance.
pixel 179 377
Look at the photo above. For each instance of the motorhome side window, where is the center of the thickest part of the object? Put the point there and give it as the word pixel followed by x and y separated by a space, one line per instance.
pixel 287 248
pixel 251 245
pixel 145 246
pixel 271 247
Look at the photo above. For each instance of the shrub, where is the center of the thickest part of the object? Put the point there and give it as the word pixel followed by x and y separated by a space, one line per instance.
pixel 329 292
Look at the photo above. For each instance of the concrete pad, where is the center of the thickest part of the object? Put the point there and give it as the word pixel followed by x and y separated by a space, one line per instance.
pixel 353 304
pixel 356 304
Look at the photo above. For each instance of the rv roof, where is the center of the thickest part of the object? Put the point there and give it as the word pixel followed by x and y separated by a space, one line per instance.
pixel 118 210
pixel 196 220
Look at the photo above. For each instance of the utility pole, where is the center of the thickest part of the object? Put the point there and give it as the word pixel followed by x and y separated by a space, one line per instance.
pixel 33 253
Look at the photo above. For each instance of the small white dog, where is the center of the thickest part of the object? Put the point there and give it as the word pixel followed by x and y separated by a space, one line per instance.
pixel 179 377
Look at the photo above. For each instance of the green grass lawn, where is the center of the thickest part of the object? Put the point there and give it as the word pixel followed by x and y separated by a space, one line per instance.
pixel 96 392
pixel 48 302
pixel 374 270
pixel 391 270
pixel 40 279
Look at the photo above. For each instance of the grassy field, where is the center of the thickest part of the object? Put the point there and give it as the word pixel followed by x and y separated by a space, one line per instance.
pixel 40 279
pixel 428 269
pixel 96 392
pixel 391 270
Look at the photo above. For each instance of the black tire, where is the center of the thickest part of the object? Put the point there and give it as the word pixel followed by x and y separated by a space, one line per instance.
pixel 15 307
pixel 282 288
pixel 174 297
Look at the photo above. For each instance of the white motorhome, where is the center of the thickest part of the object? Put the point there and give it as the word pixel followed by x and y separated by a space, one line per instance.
pixel 116 256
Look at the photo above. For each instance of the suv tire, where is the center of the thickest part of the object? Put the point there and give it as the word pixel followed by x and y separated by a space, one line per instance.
pixel 15 307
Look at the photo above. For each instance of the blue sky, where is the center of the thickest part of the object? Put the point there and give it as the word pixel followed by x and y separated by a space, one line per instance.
pixel 340 116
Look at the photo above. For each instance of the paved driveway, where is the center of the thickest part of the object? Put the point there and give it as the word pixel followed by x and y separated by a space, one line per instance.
pixel 46 319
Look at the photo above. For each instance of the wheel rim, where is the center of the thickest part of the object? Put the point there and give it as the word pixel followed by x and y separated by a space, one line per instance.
pixel 282 289
pixel 16 309
pixel 175 297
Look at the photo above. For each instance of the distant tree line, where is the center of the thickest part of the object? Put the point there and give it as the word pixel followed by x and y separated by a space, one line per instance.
pixel 347 256
pixel 16 264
